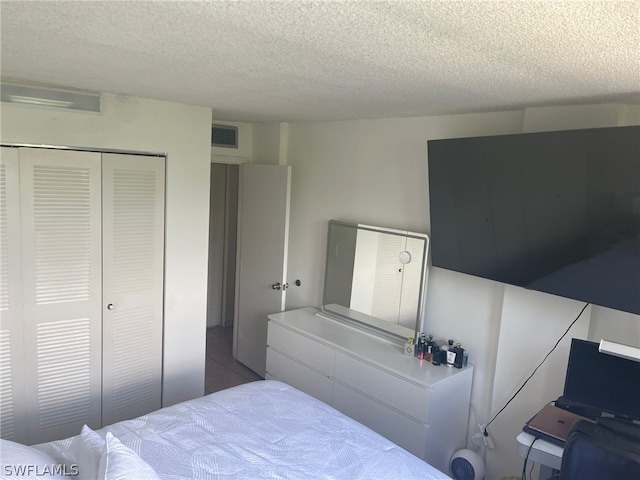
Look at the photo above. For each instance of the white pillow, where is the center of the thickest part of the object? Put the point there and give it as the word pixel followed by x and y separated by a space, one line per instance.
pixel 119 462
pixel 20 461
pixel 88 448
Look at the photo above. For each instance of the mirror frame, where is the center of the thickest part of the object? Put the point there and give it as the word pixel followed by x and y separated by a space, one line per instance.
pixel 368 322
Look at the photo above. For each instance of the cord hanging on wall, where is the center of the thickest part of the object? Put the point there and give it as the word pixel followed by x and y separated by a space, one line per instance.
pixel 486 433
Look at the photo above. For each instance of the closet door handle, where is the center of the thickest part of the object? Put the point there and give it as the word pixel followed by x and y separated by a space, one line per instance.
pixel 110 306
pixel 276 286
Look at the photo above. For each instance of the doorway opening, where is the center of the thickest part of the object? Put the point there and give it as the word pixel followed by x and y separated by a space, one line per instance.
pixel 221 369
pixel 223 223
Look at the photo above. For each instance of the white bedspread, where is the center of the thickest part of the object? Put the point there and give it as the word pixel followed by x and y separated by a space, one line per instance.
pixel 264 429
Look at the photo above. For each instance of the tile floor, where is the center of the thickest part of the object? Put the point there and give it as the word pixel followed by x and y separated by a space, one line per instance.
pixel 221 370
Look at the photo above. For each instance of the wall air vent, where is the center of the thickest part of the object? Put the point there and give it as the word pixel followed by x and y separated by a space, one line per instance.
pixel 224 136
pixel 45 97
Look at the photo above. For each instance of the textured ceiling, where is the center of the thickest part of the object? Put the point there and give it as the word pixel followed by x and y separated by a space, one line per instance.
pixel 327 60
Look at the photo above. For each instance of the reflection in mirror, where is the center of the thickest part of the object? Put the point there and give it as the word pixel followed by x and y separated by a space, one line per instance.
pixel 376 276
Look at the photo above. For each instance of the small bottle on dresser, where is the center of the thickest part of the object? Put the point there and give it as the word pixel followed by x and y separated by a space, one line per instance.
pixel 429 354
pixel 422 346
pixel 443 353
pixel 451 354
pixel 459 355
pixel 409 346
pixel 435 351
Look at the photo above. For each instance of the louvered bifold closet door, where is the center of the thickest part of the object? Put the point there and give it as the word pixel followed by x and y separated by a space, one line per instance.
pixel 388 278
pixel 12 375
pixel 133 239
pixel 60 199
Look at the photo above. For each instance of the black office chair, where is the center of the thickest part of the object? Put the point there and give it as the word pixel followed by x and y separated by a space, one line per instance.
pixel 606 449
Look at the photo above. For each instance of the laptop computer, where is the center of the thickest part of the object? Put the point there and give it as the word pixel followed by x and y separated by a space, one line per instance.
pixel 552 424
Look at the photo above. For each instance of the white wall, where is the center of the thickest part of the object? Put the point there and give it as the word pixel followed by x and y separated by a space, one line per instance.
pixel 375 172
pixel 367 171
pixel 266 143
pixel 183 133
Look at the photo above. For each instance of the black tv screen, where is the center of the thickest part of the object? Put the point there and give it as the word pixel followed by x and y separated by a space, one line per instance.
pixel 557 212
pixel 599 382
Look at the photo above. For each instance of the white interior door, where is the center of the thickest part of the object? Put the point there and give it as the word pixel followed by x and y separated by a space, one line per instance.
pixel 263 232
pixel 62 289
pixel 12 375
pixel 133 280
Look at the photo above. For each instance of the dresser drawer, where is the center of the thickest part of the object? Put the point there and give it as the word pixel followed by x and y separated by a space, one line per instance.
pixel 311 353
pixel 398 428
pixel 310 381
pixel 384 387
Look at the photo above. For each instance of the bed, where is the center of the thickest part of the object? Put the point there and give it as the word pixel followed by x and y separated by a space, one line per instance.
pixel 263 429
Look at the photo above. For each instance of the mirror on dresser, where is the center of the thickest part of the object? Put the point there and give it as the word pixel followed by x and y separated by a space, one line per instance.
pixel 376 277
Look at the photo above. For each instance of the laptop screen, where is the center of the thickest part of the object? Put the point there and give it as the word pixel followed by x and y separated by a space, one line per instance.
pixel 607 383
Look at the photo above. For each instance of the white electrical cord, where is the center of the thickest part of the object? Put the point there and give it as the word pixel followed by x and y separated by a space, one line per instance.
pixel 487 442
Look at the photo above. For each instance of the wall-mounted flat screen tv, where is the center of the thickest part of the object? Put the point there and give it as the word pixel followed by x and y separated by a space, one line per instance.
pixel 557 212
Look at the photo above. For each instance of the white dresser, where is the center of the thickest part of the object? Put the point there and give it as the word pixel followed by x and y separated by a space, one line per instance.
pixel 419 406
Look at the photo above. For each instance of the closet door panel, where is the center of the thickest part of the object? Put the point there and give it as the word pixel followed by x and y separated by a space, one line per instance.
pixel 12 384
pixel 60 197
pixel 133 239
pixel 387 285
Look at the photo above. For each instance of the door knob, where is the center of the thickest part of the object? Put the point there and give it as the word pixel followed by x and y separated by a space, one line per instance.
pixel 285 286
pixel 110 306
pixel 276 286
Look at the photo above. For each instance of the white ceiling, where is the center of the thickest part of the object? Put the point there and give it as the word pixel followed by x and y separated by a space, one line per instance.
pixel 329 60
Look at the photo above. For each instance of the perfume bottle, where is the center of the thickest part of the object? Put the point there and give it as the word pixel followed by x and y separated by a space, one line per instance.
pixel 422 347
pixel 458 362
pixel 409 346
pixel 451 354
pixel 435 350
pixel 429 354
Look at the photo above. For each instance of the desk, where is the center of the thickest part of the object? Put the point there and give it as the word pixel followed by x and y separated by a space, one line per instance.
pixel 548 455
